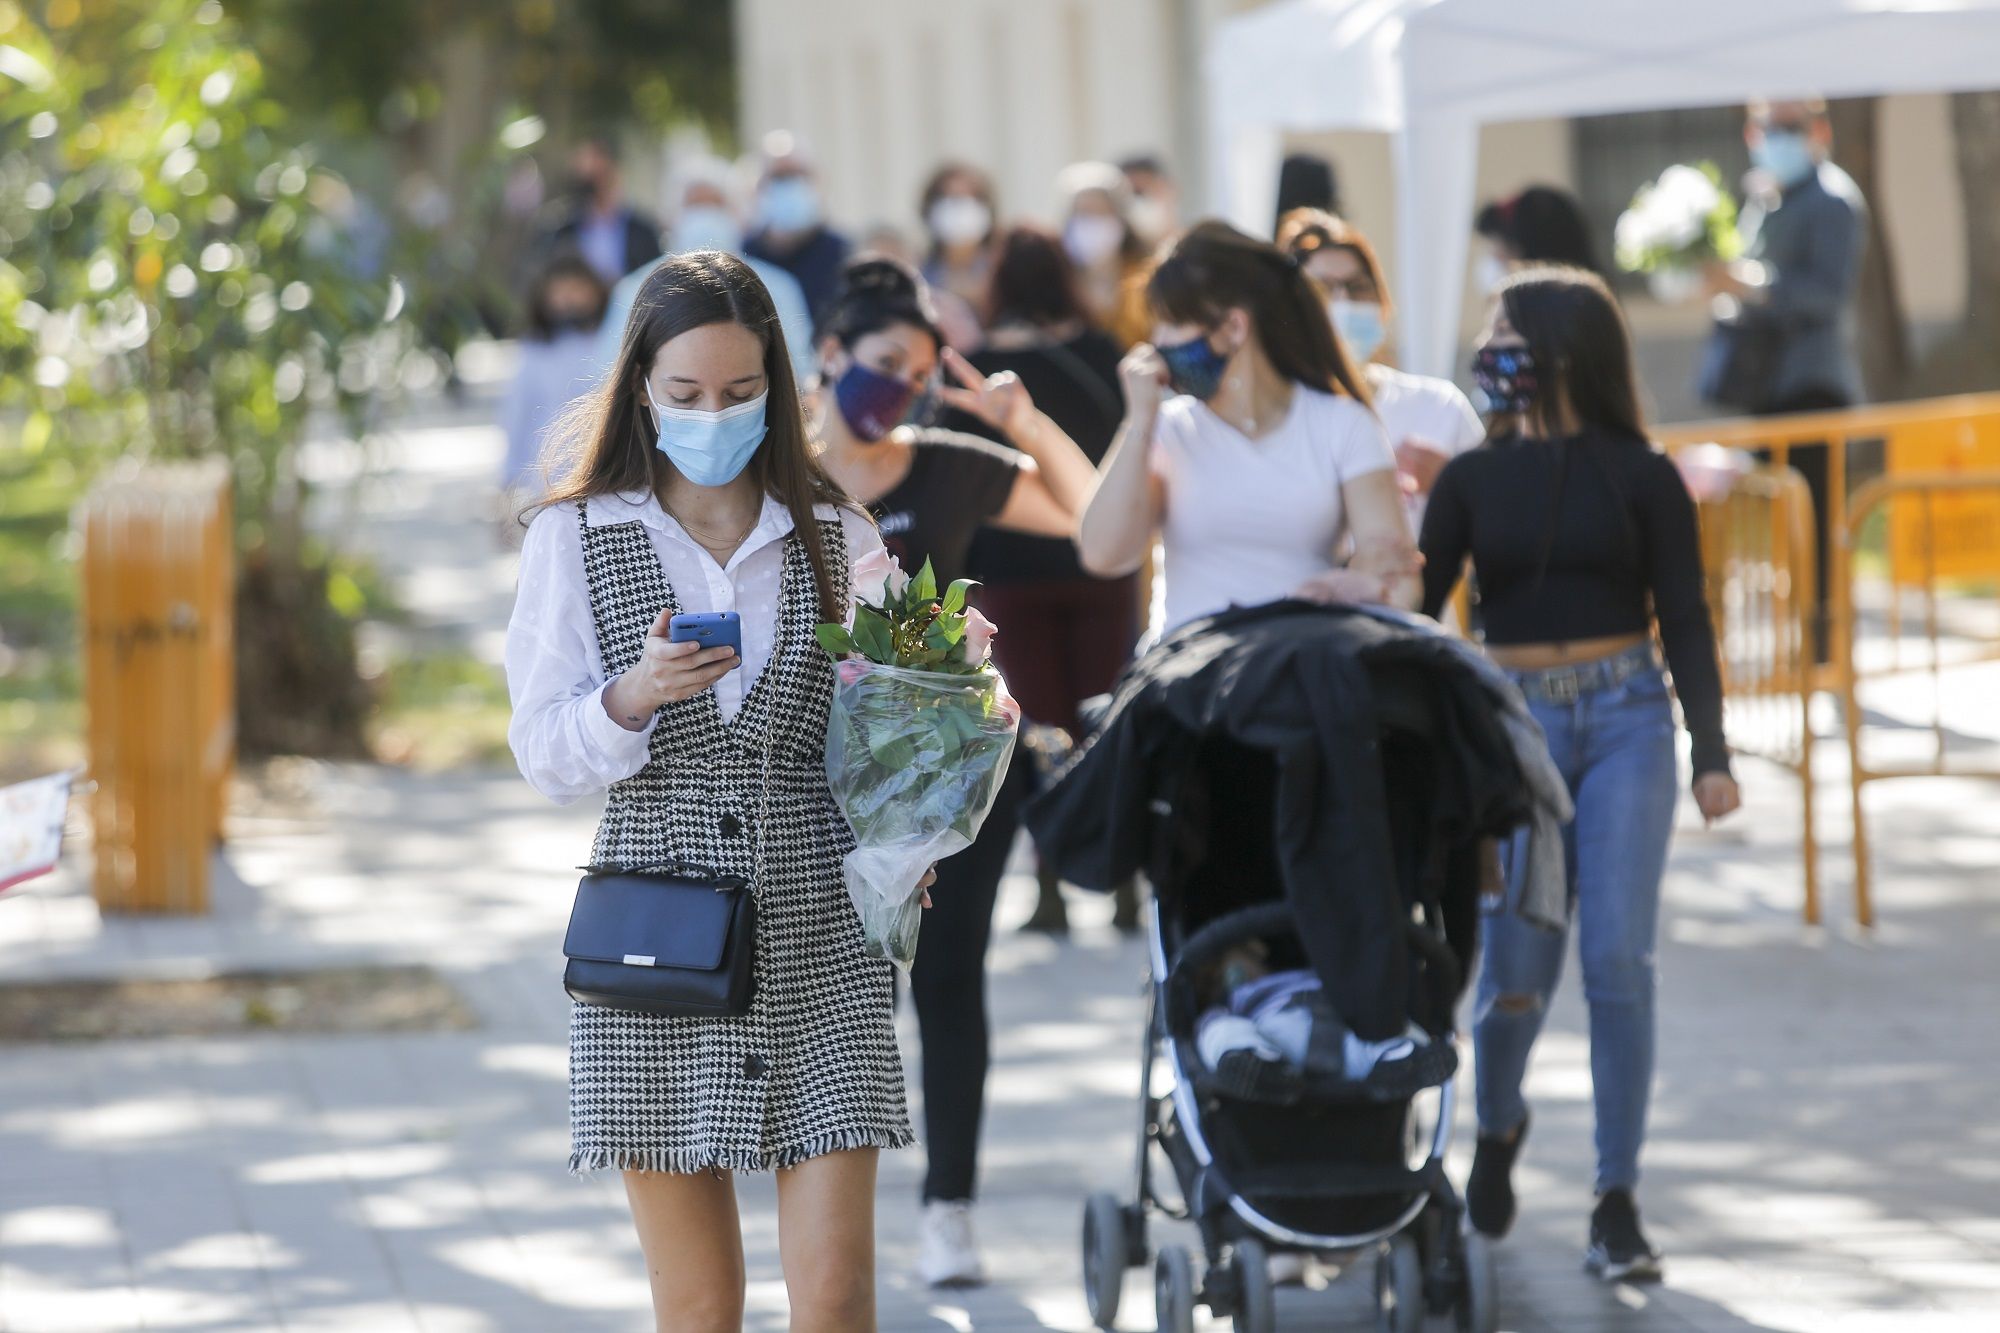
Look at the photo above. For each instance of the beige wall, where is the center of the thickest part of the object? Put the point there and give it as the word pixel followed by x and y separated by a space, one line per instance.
pixel 885 90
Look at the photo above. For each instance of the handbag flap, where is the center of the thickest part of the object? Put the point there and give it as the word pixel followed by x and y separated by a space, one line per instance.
pixel 650 920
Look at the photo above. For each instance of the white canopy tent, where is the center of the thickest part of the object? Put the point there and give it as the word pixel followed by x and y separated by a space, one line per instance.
pixel 1431 72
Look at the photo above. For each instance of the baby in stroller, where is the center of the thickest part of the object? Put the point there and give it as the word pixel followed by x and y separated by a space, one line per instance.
pixel 1272 1036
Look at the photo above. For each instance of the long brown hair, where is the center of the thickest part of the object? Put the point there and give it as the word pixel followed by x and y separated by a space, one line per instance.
pixel 609 440
pixel 1215 268
pixel 1581 351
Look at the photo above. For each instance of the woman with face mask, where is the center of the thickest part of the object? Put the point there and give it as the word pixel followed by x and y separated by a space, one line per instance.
pixel 1428 420
pixel 958 214
pixel 693 488
pixel 1109 256
pixel 1582 538
pixel 566 302
pixel 1248 445
pixel 930 491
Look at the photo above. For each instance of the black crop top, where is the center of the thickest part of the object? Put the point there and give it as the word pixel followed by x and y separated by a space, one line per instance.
pixel 1578 538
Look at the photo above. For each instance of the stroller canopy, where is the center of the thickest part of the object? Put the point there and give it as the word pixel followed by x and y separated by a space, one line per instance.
pixel 1372 758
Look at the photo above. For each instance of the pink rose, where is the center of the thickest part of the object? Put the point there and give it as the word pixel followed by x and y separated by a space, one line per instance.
pixel 979 632
pixel 878 578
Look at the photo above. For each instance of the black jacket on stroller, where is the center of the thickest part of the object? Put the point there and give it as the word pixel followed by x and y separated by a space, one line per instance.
pixel 1360 833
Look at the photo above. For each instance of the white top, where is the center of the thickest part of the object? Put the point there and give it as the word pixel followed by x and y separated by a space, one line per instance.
pixel 1247 521
pixel 565 742
pixel 1423 409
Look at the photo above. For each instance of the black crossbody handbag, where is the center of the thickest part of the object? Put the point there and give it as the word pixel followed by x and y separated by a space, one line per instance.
pixel 679 940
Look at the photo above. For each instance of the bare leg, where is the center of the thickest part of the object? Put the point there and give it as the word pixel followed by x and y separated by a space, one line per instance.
pixel 826 1235
pixel 693 1243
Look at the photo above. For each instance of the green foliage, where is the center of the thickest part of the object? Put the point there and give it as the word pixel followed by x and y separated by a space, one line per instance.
pixel 173 281
pixel 917 630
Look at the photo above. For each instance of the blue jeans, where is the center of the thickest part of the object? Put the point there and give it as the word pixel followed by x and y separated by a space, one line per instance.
pixel 1614 742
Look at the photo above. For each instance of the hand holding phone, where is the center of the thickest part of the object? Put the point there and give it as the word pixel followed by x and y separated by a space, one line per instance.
pixel 710 629
pixel 668 671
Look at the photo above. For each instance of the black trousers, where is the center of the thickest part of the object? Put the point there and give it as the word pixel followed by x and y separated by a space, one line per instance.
pixel 1810 462
pixel 948 986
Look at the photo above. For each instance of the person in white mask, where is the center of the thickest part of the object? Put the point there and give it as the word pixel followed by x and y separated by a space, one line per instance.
pixel 1428 419
pixel 1109 255
pixel 959 215
pixel 704 218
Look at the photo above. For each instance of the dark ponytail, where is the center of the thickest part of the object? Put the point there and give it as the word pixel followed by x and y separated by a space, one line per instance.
pixel 1214 268
pixel 875 293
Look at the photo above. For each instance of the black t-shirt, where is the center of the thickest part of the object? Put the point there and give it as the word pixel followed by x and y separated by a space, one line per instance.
pixel 1580 538
pixel 1076 384
pixel 956 483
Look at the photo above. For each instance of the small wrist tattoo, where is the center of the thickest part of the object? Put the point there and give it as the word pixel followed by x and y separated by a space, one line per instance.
pixel 632 717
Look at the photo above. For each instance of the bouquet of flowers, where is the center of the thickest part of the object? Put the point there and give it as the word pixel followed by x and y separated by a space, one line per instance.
pixel 921 733
pixel 1673 226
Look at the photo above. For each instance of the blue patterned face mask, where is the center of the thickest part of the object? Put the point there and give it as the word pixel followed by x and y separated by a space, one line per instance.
pixel 710 448
pixel 1195 367
pixel 1505 378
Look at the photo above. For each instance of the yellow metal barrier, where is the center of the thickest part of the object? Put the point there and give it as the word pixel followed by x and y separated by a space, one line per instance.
pixel 1942 495
pixel 1757 557
pixel 159 680
pixel 1914 501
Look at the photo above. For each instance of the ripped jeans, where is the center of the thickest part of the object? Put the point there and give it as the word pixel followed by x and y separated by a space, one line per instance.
pixel 1614 742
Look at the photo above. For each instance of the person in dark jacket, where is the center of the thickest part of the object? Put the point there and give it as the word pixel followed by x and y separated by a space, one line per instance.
pixel 612 236
pixel 1068 634
pixel 790 221
pixel 1783 341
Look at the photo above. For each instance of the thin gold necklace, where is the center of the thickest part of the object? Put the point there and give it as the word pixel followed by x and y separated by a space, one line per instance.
pixel 707 538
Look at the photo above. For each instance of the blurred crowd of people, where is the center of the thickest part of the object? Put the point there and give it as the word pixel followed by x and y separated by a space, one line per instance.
pixel 1120 423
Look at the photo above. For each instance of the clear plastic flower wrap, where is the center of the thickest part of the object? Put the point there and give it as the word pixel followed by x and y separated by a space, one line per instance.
pixel 921 732
pixel 915 760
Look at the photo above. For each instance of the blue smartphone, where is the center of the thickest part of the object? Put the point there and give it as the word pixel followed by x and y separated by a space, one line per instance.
pixel 710 629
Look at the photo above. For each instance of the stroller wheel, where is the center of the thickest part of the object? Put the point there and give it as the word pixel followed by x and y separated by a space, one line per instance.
pixel 1399 1286
pixel 1478 1299
pixel 1106 1250
pixel 1256 1301
pixel 1173 1290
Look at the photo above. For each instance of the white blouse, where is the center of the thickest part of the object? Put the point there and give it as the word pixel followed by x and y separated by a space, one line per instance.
pixel 566 743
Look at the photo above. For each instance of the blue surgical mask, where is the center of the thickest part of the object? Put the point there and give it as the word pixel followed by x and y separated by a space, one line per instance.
pixel 1195 367
pixel 1785 154
pixel 1360 326
pixel 789 203
pixel 710 448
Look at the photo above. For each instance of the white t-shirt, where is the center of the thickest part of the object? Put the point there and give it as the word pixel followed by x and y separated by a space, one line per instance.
pixel 1247 521
pixel 1427 410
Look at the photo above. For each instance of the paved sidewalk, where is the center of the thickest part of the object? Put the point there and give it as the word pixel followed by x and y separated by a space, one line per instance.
pixel 1822 1158
pixel 1824 1155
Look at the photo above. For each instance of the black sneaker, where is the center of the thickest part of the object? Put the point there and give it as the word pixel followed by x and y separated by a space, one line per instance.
pixel 1489 1190
pixel 1619 1251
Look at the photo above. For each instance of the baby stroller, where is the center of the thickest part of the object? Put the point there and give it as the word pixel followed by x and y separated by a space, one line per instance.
pixel 1195 775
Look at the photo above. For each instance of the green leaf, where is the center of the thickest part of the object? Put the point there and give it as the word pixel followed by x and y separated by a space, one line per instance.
pixel 923 588
pixel 835 639
pixel 872 636
pixel 954 597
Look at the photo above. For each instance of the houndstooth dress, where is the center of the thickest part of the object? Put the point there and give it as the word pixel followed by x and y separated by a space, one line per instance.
pixel 813 1067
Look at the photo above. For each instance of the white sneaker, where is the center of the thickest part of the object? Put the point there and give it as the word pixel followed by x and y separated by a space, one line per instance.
pixel 947 1253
